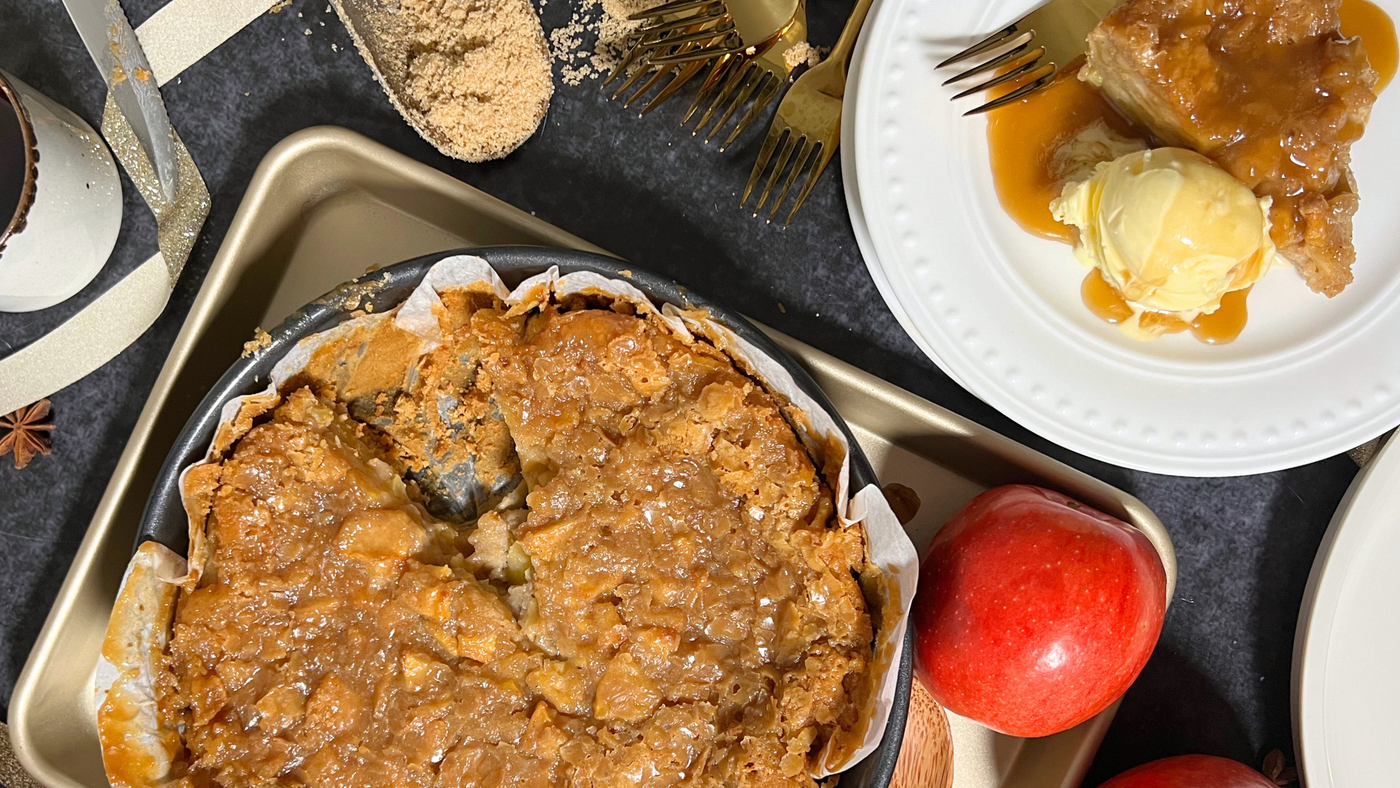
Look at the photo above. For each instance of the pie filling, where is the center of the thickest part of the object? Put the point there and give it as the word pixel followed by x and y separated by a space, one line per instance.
pixel 666 599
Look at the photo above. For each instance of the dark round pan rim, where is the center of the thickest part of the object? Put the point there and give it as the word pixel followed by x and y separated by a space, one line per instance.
pixel 164 518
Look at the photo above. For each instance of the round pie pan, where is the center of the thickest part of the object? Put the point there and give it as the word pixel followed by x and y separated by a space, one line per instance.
pixel 164 519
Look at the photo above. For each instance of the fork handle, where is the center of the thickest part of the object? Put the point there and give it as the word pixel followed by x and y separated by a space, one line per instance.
pixel 849 34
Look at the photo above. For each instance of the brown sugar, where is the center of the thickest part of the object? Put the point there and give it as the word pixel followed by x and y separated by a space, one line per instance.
pixel 478 71
pixel 596 37
pixel 803 53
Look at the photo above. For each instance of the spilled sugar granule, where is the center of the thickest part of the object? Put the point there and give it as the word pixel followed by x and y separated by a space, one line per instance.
pixel 595 39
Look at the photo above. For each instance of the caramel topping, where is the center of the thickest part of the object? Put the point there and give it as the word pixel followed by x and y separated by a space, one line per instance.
pixel 1025 136
pixel 1103 299
pixel 1220 327
pixel 1271 90
pixel 675 604
pixel 1267 92
pixel 1224 324
pixel 1364 19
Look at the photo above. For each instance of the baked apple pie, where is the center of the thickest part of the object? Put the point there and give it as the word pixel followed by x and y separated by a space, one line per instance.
pixel 1268 89
pixel 667 599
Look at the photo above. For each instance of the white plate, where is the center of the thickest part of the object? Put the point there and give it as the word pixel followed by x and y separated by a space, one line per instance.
pixel 1000 309
pixel 1346 687
pixel 853 205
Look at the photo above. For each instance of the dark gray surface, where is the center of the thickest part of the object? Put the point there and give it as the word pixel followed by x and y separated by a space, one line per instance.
pixel 1218 682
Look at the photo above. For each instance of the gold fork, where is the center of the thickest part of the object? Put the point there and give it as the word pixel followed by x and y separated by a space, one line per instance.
pixel 680 74
pixel 808 122
pixel 754 22
pixel 703 22
pixel 1058 28
pixel 681 25
pixel 684 36
pixel 760 76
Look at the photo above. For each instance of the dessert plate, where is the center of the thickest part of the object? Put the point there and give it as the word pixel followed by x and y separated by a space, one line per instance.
pixel 1345 687
pixel 1000 309
pixel 850 184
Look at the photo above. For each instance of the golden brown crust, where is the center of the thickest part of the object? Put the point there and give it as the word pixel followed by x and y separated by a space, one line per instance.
pixel 1314 234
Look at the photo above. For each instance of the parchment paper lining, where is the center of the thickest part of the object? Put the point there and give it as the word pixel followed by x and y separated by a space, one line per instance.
pixel 888 547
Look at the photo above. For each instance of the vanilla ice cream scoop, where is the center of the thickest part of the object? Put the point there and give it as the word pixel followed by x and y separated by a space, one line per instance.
pixel 1171 230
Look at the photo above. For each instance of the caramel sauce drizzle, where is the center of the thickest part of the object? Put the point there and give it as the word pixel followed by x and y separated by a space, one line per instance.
pixel 1377 30
pixel 1218 328
pixel 1024 137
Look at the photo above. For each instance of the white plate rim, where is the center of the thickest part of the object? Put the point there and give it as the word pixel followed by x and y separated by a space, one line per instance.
pixel 1372 499
pixel 851 186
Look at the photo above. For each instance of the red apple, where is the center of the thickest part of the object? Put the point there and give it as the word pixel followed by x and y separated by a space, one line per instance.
pixel 1191 771
pixel 1035 612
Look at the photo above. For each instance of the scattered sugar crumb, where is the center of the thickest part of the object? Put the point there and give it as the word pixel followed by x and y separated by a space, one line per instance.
pixel 594 40
pixel 803 52
pixel 278 6
pixel 308 31
pixel 782 308
pixel 335 47
pixel 298 15
pixel 261 339
pixel 627 272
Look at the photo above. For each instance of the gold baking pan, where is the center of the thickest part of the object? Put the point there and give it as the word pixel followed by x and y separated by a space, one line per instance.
pixel 325 206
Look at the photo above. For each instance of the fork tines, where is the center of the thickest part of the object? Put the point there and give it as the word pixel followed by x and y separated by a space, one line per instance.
pixel 679 39
pixel 1009 58
pixel 741 80
pixel 799 151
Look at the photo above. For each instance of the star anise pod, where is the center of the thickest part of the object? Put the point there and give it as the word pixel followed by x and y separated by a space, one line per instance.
pixel 23 432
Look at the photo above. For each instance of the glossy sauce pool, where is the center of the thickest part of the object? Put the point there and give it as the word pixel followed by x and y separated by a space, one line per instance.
pixel 1377 30
pixel 1218 328
pixel 1023 137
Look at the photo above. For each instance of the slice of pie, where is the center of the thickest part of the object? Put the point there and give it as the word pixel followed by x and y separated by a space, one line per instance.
pixel 1269 89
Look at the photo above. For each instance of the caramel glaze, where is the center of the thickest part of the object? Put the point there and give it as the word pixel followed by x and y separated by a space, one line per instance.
pixel 1377 31
pixel 1024 136
pixel 1218 328
pixel 677 604
pixel 1103 299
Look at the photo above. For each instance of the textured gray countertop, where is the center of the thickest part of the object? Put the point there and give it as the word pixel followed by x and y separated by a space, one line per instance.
pixel 1219 680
